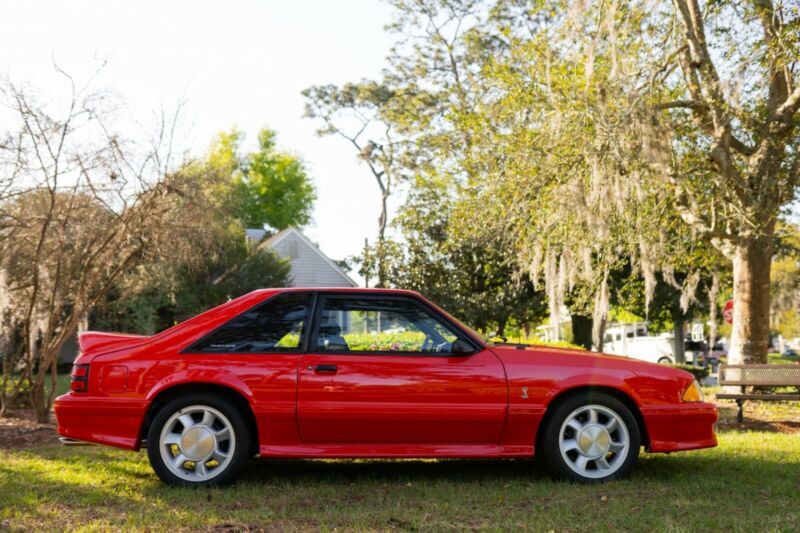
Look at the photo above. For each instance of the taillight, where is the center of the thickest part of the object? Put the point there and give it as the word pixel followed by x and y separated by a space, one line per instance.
pixel 79 380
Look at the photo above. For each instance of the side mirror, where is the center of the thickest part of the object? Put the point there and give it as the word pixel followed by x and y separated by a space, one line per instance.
pixel 462 347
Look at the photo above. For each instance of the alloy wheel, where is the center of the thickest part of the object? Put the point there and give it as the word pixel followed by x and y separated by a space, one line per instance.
pixel 594 441
pixel 197 443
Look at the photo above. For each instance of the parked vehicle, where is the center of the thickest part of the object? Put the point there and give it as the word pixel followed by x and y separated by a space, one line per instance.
pixel 697 353
pixel 633 340
pixel 367 373
pixel 719 350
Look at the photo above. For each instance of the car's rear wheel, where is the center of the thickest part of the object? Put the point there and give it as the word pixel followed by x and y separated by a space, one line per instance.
pixel 591 439
pixel 198 439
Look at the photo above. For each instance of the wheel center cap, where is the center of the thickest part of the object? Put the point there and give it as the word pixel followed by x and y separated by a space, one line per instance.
pixel 594 441
pixel 197 443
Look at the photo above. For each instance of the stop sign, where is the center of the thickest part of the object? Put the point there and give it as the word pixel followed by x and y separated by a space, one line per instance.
pixel 727 312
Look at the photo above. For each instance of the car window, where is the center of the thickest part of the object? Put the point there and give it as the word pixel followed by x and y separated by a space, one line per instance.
pixel 381 325
pixel 277 325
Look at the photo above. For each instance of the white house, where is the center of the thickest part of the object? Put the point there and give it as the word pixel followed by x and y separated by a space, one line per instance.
pixel 309 266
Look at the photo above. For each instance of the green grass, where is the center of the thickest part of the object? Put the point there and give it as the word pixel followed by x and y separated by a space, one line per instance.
pixel 751 482
pixel 62 384
pixel 775 358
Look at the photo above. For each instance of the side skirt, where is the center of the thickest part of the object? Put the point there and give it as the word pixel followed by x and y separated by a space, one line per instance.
pixel 395 451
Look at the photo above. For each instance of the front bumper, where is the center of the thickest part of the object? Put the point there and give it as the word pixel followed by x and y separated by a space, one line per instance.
pixel 686 426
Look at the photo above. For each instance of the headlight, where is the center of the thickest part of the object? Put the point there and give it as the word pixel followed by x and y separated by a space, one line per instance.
pixel 693 393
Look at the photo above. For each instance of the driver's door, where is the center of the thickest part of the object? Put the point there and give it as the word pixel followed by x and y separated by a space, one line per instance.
pixel 380 371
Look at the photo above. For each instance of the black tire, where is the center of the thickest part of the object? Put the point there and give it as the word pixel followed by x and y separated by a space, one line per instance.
pixel 665 361
pixel 550 442
pixel 241 429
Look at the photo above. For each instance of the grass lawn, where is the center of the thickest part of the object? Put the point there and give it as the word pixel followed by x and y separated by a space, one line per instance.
pixel 751 482
pixel 774 358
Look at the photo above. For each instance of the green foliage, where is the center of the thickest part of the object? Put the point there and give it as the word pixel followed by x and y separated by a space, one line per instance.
pixel 785 281
pixel 476 282
pixel 236 191
pixel 539 342
pixel 17 392
pixel 558 344
pixel 167 293
pixel 698 372
pixel 264 187
pixel 409 341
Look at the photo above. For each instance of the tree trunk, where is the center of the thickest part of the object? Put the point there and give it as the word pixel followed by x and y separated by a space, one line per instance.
pixel 39 402
pixel 679 340
pixel 751 277
pixel 582 331
pixel 501 327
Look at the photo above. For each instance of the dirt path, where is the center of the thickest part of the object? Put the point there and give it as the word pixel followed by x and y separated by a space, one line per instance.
pixel 19 429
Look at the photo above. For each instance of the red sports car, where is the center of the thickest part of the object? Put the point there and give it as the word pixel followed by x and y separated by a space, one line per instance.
pixel 367 373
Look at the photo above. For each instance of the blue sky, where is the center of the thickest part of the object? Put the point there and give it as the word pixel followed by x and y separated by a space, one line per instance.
pixel 235 63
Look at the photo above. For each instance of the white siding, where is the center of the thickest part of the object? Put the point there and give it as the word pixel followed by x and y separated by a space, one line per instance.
pixel 308 266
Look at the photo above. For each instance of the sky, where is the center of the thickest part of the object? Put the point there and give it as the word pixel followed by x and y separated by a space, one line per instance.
pixel 236 63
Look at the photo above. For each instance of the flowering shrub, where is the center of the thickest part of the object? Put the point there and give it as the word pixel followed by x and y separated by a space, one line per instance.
pixel 406 341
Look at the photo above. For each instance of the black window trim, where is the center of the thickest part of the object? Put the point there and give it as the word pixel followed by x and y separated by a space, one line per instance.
pixel 191 350
pixel 320 305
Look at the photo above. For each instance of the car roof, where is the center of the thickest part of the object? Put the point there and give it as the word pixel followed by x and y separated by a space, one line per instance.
pixel 353 290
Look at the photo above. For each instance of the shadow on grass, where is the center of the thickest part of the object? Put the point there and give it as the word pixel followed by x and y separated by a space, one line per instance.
pixel 401 470
pixel 750 483
pixel 782 424
pixel 651 467
pixel 656 468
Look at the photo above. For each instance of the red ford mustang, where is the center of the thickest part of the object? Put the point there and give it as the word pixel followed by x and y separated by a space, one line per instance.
pixel 367 373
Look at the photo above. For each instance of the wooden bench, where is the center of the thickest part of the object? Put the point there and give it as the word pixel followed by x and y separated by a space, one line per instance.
pixel 767 376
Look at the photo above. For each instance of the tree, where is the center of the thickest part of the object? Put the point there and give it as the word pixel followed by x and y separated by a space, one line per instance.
pixel 728 137
pixel 362 114
pixel 591 129
pixel 785 281
pixel 84 205
pixel 475 281
pixel 264 187
pixel 239 191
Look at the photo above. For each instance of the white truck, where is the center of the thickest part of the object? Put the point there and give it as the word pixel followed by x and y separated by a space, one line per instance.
pixel 633 340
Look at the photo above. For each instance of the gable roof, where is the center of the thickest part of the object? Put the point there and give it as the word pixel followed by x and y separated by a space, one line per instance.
pixel 276 239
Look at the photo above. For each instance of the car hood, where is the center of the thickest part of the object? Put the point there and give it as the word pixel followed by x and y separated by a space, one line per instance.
pixel 581 358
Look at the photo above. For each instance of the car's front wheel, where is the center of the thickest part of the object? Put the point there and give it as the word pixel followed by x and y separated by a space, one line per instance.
pixel 591 438
pixel 198 439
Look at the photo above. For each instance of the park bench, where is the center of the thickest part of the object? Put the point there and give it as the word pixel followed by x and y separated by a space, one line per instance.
pixel 761 376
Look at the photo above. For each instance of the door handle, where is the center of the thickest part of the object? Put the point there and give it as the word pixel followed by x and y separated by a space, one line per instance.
pixel 325 369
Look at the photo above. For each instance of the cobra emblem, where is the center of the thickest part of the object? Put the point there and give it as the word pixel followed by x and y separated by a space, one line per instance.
pixel 524 393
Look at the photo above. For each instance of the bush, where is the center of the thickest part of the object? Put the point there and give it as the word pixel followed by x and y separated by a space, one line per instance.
pixel 21 399
pixel 699 372
pixel 407 341
pixel 538 342
pixel 558 344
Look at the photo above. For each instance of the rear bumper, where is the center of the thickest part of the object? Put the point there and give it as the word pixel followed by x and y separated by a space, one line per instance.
pixel 675 428
pixel 110 421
